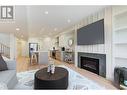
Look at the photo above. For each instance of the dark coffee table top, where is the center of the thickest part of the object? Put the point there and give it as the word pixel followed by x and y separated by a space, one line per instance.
pixel 60 72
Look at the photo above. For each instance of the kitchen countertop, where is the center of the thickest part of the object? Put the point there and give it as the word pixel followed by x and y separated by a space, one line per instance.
pixel 40 51
pixel 62 51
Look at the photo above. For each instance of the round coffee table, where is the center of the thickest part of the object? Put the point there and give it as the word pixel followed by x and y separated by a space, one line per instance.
pixel 45 80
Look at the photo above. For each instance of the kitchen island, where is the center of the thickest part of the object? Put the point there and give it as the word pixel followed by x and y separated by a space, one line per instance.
pixel 42 57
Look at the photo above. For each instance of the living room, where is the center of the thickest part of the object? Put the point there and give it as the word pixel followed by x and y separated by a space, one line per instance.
pixel 39 37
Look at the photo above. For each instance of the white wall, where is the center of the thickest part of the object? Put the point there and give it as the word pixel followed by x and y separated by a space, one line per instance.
pixel 64 37
pixel 5 39
pixel 25 48
pixel 22 48
pixel 13 47
pixel 19 48
pixel 108 45
pixel 10 41
pixel 45 43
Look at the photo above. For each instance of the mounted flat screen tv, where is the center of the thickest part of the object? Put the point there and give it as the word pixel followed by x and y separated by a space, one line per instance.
pixel 91 34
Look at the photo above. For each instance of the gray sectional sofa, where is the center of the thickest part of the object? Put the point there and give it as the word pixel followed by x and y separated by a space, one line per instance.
pixel 9 77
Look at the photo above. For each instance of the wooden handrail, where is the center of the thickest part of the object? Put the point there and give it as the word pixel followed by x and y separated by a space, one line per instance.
pixel 5 50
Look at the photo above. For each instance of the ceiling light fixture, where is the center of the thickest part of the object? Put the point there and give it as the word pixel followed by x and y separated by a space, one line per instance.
pixel 68 20
pixel 46 12
pixel 17 29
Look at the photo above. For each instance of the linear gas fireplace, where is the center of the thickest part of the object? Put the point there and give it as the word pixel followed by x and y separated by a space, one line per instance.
pixel 90 64
pixel 93 62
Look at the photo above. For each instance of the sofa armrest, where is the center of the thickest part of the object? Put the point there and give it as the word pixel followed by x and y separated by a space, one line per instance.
pixel 11 64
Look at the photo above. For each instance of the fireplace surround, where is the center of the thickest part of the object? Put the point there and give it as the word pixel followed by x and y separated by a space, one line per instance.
pixel 93 62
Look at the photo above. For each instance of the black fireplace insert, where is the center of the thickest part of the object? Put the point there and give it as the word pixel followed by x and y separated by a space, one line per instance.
pixel 90 64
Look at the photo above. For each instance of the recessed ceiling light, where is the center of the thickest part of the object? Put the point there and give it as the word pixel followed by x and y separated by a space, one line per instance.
pixel 68 20
pixel 17 29
pixel 46 12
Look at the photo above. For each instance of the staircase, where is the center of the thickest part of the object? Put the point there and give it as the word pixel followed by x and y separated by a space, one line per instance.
pixel 5 50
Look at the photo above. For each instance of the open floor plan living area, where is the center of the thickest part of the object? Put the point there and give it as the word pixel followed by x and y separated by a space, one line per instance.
pixel 56 47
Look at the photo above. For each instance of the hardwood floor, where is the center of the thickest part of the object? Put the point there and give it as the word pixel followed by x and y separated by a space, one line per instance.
pixel 24 65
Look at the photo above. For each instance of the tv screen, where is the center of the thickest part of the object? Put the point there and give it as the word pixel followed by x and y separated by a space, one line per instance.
pixel 91 34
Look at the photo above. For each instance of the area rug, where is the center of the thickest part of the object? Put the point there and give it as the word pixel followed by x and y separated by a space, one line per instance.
pixel 76 81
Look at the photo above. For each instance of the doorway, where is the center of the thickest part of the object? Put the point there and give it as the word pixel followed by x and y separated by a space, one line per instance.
pixel 33 48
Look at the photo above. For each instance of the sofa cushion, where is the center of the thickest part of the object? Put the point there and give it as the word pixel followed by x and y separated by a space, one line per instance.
pixel 7 76
pixel 5 58
pixel 3 65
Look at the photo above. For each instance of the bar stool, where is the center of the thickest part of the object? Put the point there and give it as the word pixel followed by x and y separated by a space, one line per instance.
pixel 33 58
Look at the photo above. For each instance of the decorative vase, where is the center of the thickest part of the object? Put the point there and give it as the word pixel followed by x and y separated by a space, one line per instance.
pixel 51 67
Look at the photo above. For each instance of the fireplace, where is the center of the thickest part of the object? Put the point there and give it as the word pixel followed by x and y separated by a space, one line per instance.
pixel 93 62
pixel 90 64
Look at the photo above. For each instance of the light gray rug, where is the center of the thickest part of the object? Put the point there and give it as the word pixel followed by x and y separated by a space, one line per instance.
pixel 76 81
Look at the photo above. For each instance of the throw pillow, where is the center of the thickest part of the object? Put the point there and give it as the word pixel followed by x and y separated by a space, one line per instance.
pixel 3 65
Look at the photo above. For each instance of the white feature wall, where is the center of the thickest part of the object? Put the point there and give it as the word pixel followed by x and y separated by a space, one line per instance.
pixel 99 48
pixel 106 48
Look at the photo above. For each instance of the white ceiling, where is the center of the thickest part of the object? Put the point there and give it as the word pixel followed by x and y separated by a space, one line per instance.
pixel 33 21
